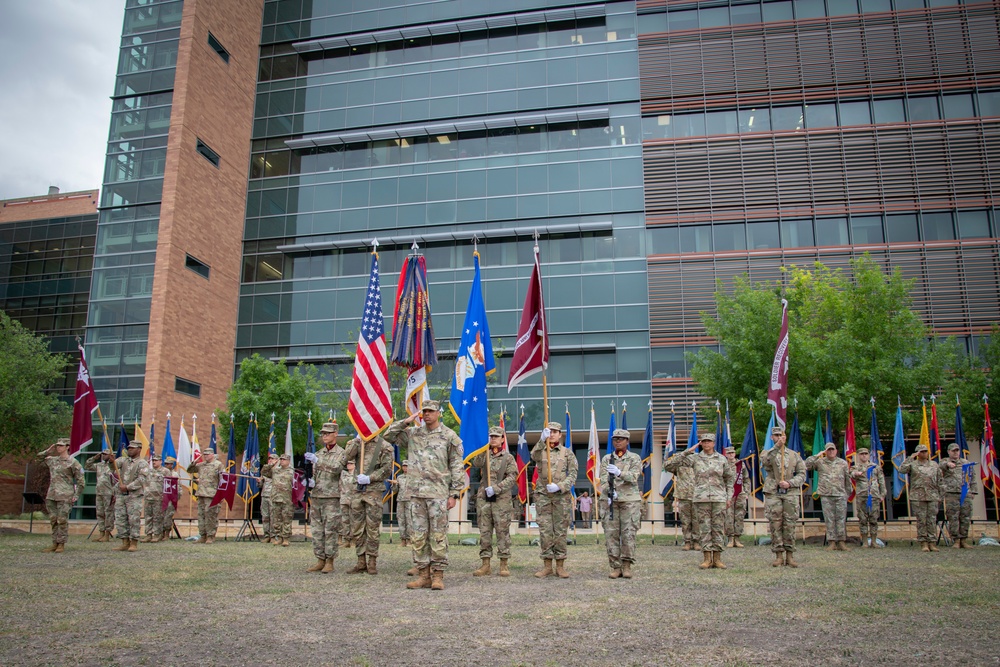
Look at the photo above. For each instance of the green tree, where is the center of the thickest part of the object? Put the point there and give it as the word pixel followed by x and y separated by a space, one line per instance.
pixel 30 418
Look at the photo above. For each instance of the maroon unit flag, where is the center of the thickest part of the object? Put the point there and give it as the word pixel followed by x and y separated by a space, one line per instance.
pixel 738 484
pixel 299 488
pixel 226 489
pixel 84 405
pixel 531 351
pixel 777 390
pixel 169 492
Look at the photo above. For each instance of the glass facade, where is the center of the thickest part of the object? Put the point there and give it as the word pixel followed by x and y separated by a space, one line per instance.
pixel 118 319
pixel 407 123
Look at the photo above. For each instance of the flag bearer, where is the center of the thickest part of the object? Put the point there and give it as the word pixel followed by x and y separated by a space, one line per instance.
pixel 557 468
pixel 868 480
pixel 621 522
pixel 324 499
pixel 366 504
pixel 169 470
pixel 265 502
pixel 65 483
pixel 128 497
pixel 208 472
pixel 493 506
pixel 955 472
pixel 738 510
pixel 152 507
pixel 785 474
pixel 100 463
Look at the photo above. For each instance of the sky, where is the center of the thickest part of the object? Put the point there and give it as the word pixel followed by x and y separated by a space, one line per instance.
pixel 57 74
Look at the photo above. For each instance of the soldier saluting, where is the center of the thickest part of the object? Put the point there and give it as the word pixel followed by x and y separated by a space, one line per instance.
pixel 557 467
pixel 65 482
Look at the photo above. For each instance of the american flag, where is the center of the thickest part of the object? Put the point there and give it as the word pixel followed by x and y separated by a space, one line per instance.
pixel 370 406
pixel 988 471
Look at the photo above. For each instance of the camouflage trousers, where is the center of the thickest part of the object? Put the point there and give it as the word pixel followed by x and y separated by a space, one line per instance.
pixel 867 518
pixel 59 518
pixel 711 518
pixel 734 518
pixel 925 512
pixel 782 513
pixel 208 517
pixel 128 516
pixel 168 518
pixel 152 509
pixel 346 531
pixel 685 512
pixel 835 517
pixel 620 531
pixel 366 522
pixel 494 517
pixel 959 516
pixel 403 517
pixel 265 517
pixel 105 513
pixel 281 520
pixel 324 521
pixel 553 513
pixel 430 532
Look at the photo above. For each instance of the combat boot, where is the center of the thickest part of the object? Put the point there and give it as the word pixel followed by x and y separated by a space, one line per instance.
pixel 933 547
pixel 266 540
pixel 717 560
pixel 706 560
pixel 779 559
pixel 146 538
pixel 737 543
pixel 209 539
pixel 100 534
pixel 372 565
pixel 284 542
pixel 695 546
pixel 831 546
pixel 561 569
pixel 276 541
pixel 317 566
pixel 133 545
pixel 789 561
pixel 504 570
pixel 924 546
pixel 686 547
pixel 105 536
pixel 413 571
pixel 957 544
pixel 966 544
pixel 165 537
pixel 843 546
pixel 484 569
pixel 616 570
pixel 124 545
pixel 59 548
pixel 327 567
pixel 201 539
pixel 627 569
pixel 360 566
pixel 423 579
pixel 52 548
pixel 545 571
pixel 437 580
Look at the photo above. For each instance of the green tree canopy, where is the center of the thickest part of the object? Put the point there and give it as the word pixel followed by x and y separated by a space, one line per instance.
pixel 30 418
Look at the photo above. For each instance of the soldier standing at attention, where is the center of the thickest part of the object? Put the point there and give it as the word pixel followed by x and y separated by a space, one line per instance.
pixel 281 477
pixel 437 479
pixel 959 513
pixel 128 497
pixel 865 484
pixel 621 522
pixel 925 494
pixel 785 474
pixel 713 495
pixel 738 510
pixel 65 483
pixel 152 507
pixel 373 463
pixel 265 502
pixel 683 496
pixel 208 472
pixel 169 470
pixel 324 499
pixel 557 468
pixel 497 473
pixel 100 463
pixel 833 488
pixel 403 504
pixel 348 487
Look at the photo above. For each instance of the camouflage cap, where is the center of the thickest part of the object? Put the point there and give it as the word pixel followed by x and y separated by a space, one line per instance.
pixel 554 426
pixel 830 445
pixel 155 457
pixel 169 460
pixel 63 442
pixel 208 451
pixel 921 448
pixel 496 430
pixel 863 450
pixel 272 455
pixel 430 405
pixel 134 444
pixel 777 430
pixel 286 457
pixel 620 433
pixel 405 462
pixel 730 449
pixel 954 447
pixel 710 437
pixel 329 427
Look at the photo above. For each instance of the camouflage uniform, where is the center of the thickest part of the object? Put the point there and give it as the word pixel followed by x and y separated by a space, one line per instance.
pixel 348 487
pixel 282 510
pixel 620 530
pixel 554 510
pixel 683 494
pixel 152 485
pixel 495 514
pixel 65 482
pixel 782 509
pixel 868 518
pixel 737 512
pixel 925 494
pixel 833 488
pixel 403 505
pixel 267 530
pixel 105 493
pixel 128 505
pixel 208 484
pixel 959 514
pixel 324 502
pixel 713 488
pixel 366 505
pixel 436 472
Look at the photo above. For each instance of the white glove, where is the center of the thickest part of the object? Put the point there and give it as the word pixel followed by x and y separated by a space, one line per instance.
pixel 311 457
pixel 609 502
pixel 490 492
pixel 613 469
pixel 614 496
pixel 312 483
pixel 546 433
pixel 552 488
pixel 364 479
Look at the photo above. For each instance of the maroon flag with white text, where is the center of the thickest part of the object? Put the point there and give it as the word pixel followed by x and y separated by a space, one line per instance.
pixel 84 405
pixel 777 390
pixel 169 492
pixel 226 489
pixel 299 488
pixel 531 351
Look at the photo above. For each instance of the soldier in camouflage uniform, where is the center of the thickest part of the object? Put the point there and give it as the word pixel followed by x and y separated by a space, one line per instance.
pixel 493 506
pixel 863 484
pixel 65 483
pixel 402 486
pixel 282 477
pixel 169 470
pixel 437 478
pixel 625 504
pixel 208 472
pixel 129 496
pixel 737 512
pixel 785 473
pixel 683 497
pixel 152 487
pixel 100 463
pixel 925 494
pixel 713 495
pixel 959 514
pixel 348 487
pixel 557 468
pixel 324 499
pixel 833 487
pixel 265 503
pixel 366 505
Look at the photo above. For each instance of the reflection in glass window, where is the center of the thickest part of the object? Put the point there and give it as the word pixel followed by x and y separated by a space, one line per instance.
pixel 843 7
pixel 796 233
pixel 973 224
pixel 867 229
pixel 809 9
pixel 938 227
pixel 923 108
pixel 667 362
pixel 688 125
pixel 871 6
pixel 742 14
pixel 755 120
pixel 787 118
pixel 664 241
pixel 713 17
pixel 901 228
pixel 762 235
pixel 989 104
pixel 730 237
pixel 821 115
pixel 855 113
pixel 721 122
pixel 958 106
pixel 696 239
pixel 831 231
pixel 778 11
pixel 889 111
pixel 684 20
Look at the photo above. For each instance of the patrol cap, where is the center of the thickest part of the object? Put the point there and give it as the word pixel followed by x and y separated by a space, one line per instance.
pixel 829 446
pixel 730 449
pixel 431 405
pixel 329 427
pixel 286 457
pixel 863 450
pixel 953 447
pixel 496 430
pixel 405 462
pixel 134 443
pixel 921 448
pixel 272 455
pixel 156 457
pixel 63 442
pixel 710 437
pixel 621 433
pixel 777 430
pixel 169 460
pixel 208 451
pixel 554 426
